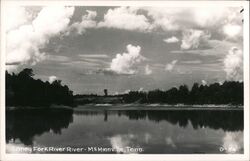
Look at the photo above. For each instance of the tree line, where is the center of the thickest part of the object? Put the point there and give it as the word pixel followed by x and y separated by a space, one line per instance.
pixel 23 90
pixel 230 92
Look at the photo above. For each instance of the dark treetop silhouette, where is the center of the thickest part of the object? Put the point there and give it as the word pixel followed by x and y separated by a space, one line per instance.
pixel 230 92
pixel 23 90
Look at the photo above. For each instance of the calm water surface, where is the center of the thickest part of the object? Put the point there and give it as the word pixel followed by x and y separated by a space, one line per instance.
pixel 125 131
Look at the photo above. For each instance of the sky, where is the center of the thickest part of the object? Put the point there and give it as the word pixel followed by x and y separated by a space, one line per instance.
pixel 125 48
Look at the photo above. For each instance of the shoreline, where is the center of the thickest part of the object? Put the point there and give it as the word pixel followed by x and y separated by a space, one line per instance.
pixel 94 107
pixel 156 107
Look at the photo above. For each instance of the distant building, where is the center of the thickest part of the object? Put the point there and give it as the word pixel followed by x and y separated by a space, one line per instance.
pixel 105 92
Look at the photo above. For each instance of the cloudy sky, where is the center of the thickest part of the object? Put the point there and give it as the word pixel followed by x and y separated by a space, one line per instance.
pixel 126 48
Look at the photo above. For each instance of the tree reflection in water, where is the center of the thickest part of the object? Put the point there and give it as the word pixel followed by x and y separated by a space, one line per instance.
pixel 25 124
pixel 228 120
pixel 231 120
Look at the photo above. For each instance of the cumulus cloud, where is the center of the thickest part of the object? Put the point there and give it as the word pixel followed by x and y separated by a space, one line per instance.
pixel 207 17
pixel 148 71
pixel 25 42
pixel 225 20
pixel 172 19
pixel 170 66
pixel 16 16
pixel 125 18
pixel 233 64
pixel 193 38
pixel 125 63
pixel 141 89
pixel 166 19
pixel 232 28
pixel 203 82
pixel 88 21
pixel 172 39
pixel 232 31
pixel 52 78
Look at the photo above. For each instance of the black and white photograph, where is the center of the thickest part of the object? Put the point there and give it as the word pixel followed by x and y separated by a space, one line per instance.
pixel 125 79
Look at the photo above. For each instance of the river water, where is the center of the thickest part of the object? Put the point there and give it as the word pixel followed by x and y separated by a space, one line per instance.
pixel 124 131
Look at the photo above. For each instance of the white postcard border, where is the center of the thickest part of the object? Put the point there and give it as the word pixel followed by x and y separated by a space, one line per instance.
pixel 108 157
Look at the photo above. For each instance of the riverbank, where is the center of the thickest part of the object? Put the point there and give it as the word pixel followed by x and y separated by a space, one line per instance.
pixel 156 107
pixel 9 108
pixel 94 107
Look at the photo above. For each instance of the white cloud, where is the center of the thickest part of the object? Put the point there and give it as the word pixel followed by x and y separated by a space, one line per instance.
pixel 199 17
pixel 225 20
pixel 170 66
pixel 125 18
pixel 173 19
pixel 52 78
pixel 233 26
pixel 233 64
pixel 148 71
pixel 125 63
pixel 16 16
pixel 24 43
pixel 141 89
pixel 232 31
pixel 172 39
pixel 193 38
pixel 52 21
pixel 127 91
pixel 165 18
pixel 207 17
pixel 87 22
pixel 203 82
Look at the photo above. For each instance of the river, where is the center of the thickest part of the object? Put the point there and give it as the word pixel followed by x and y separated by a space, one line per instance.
pixel 124 131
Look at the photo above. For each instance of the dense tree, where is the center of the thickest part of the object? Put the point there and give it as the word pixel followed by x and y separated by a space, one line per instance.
pixel 230 92
pixel 23 90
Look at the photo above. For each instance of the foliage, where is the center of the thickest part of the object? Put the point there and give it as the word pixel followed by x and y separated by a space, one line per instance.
pixel 23 90
pixel 230 92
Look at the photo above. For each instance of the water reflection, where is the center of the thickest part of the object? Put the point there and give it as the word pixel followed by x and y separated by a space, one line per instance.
pixel 25 124
pixel 120 142
pixel 165 132
pixel 232 142
pixel 228 120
